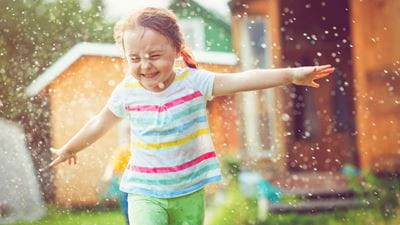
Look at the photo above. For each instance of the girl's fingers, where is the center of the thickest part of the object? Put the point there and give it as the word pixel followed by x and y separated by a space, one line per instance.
pixel 313 73
pixel 54 151
pixel 55 162
pixel 323 67
pixel 321 75
pixel 329 70
pixel 315 85
pixel 72 160
pixel 324 73
pixel 61 158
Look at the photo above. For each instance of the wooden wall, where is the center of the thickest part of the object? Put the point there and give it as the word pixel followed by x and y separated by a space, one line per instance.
pixel 376 53
pixel 77 95
pixel 223 117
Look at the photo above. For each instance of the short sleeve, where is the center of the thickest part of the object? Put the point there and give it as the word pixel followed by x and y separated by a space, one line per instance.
pixel 203 81
pixel 116 102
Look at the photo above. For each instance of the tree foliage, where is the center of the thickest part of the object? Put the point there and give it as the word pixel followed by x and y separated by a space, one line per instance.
pixel 34 33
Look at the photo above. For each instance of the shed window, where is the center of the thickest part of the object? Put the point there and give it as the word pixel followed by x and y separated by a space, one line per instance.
pixel 193 31
pixel 258 106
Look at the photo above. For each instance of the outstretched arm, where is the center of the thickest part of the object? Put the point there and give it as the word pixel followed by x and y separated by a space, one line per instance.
pixel 87 135
pixel 230 83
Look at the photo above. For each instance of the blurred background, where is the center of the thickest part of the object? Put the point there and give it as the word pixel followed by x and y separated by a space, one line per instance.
pixel 322 156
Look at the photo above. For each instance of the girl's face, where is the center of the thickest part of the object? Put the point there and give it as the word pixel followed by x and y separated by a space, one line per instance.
pixel 151 58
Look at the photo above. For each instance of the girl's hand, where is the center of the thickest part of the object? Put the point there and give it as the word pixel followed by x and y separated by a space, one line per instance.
pixel 61 157
pixel 307 74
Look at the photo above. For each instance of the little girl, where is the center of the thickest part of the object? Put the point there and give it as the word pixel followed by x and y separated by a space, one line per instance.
pixel 174 156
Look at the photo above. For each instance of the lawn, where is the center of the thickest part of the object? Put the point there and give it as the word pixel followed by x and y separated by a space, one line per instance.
pixel 381 198
pixel 57 216
pixel 113 217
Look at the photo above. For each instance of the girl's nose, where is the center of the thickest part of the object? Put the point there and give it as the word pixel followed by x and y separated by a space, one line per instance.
pixel 145 65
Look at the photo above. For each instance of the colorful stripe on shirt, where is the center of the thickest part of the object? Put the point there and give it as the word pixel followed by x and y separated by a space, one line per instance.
pixel 140 120
pixel 169 194
pixel 180 167
pixel 182 141
pixel 178 180
pixel 164 107
pixel 175 130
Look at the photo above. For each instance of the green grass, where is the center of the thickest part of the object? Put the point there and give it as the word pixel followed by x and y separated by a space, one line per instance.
pixel 234 215
pixel 57 216
pixel 366 216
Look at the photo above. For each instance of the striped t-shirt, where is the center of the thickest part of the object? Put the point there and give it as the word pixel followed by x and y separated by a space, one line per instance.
pixel 172 151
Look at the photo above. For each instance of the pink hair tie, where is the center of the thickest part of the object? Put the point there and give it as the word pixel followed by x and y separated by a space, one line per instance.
pixel 190 62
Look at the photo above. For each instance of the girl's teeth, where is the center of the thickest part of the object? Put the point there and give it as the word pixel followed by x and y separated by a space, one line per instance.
pixel 149 75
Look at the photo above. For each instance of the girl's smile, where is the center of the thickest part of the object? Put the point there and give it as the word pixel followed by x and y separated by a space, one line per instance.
pixel 150 75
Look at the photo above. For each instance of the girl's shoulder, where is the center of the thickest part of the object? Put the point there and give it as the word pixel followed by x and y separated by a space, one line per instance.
pixel 129 82
pixel 125 87
pixel 190 73
pixel 198 79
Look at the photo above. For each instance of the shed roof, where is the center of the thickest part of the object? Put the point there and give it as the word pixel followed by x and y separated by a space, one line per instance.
pixel 110 50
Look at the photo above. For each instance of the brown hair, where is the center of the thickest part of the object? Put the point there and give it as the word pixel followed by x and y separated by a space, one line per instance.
pixel 161 20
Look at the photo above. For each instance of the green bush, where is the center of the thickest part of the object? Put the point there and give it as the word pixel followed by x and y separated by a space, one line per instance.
pixel 236 209
pixel 380 193
pixel 381 198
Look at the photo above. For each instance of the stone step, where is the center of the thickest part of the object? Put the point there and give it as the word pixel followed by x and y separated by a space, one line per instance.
pixel 318 192
pixel 314 205
pixel 342 193
pixel 311 182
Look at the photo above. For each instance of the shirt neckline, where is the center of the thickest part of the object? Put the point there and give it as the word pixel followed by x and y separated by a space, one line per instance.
pixel 178 71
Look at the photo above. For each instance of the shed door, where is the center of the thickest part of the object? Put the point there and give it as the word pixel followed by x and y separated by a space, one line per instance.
pixel 321 126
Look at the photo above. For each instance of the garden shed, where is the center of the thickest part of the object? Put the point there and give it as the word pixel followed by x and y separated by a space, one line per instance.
pixel 353 117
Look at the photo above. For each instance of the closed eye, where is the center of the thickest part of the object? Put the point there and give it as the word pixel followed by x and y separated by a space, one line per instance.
pixel 155 56
pixel 134 59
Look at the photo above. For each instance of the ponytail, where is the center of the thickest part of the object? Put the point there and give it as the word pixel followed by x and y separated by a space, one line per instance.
pixel 189 60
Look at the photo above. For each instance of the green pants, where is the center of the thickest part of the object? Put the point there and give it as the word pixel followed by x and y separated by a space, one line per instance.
pixel 185 210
